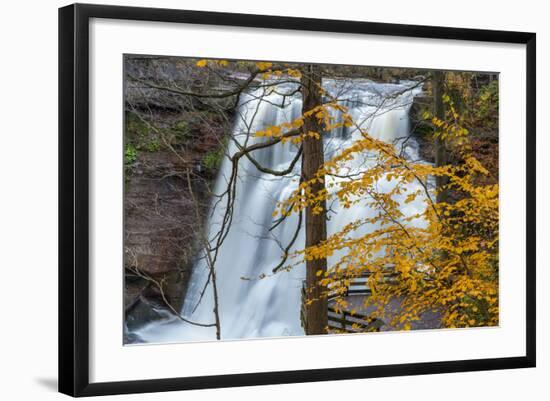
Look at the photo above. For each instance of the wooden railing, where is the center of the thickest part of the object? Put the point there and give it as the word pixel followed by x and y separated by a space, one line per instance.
pixel 355 286
pixel 344 321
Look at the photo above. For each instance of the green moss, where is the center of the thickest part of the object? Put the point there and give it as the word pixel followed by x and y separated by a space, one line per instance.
pixel 180 129
pixel 130 154
pixel 212 160
pixel 139 137
pixel 152 146
pixel 135 127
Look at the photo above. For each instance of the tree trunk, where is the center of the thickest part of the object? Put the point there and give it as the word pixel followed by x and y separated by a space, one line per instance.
pixel 441 156
pixel 316 231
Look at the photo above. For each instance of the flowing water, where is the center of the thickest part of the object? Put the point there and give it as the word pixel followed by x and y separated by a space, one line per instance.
pixel 249 305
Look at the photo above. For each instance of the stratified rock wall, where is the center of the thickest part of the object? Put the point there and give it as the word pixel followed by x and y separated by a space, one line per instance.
pixel 172 146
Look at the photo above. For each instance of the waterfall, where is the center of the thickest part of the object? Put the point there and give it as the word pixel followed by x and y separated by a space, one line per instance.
pixel 253 302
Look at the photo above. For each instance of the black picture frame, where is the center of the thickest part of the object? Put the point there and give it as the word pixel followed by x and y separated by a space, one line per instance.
pixel 74 198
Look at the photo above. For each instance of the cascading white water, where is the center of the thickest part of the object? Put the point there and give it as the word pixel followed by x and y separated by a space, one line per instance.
pixel 251 306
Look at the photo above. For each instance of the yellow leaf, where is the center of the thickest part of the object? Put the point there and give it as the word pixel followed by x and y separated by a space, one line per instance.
pixel 262 66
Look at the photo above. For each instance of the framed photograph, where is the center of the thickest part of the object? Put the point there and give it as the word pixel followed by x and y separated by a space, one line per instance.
pixel 250 199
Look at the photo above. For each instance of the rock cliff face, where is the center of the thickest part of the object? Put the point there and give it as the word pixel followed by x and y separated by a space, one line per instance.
pixel 173 146
pixel 158 216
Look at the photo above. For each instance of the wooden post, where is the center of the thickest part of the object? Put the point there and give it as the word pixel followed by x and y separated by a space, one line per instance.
pixel 343 320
